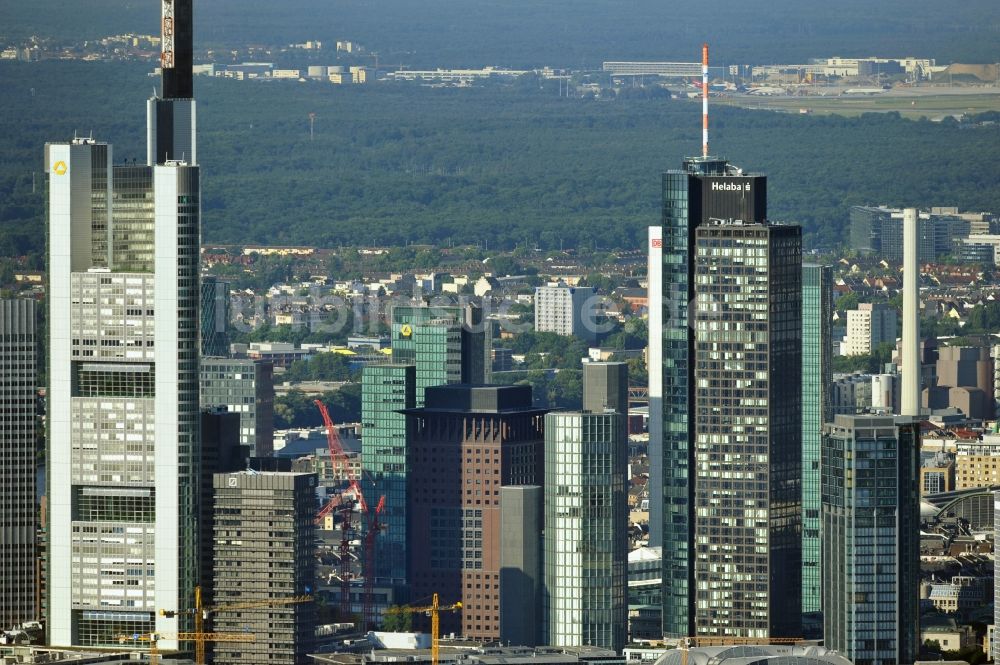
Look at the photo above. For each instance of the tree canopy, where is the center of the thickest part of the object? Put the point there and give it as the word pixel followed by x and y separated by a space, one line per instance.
pixel 503 167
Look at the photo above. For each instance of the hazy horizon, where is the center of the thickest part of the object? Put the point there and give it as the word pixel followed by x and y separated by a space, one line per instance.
pixel 558 33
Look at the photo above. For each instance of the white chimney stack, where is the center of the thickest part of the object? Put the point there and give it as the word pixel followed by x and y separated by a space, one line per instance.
pixel 910 370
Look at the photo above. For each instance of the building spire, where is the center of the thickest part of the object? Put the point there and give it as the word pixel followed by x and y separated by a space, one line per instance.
pixel 704 100
pixel 177 48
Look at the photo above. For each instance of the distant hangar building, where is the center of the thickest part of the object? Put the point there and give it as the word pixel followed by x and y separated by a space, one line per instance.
pixel 663 69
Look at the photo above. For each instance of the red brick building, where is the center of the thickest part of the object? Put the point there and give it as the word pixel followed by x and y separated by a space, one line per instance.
pixel 463 445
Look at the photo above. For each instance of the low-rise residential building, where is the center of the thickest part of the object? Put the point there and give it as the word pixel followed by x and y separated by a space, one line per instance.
pixel 947 633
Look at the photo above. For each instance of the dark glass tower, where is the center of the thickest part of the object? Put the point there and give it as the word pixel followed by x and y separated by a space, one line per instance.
pixel 177 55
pixel 871 539
pixel 171 116
pixel 747 429
pixel 704 188
pixel 385 391
pixel 17 471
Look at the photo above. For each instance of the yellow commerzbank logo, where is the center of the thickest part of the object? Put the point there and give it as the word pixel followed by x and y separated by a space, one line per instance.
pixel 406 330
pixel 60 168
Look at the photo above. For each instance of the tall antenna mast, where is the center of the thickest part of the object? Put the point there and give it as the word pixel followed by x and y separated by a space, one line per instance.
pixel 704 100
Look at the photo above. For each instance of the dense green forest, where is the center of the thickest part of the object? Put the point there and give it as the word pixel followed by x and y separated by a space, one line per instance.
pixel 561 33
pixel 397 164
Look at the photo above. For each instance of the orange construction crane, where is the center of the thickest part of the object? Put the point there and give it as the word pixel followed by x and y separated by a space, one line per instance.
pixel 202 613
pixel 434 610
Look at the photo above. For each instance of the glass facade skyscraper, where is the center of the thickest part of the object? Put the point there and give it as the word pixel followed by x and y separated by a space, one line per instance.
pixel 871 539
pixel 431 346
pixel 214 317
pixel 244 386
pixel 585 546
pixel 448 344
pixel 704 188
pixel 747 404
pixel 18 520
pixel 585 543
pixel 385 391
pixel 817 361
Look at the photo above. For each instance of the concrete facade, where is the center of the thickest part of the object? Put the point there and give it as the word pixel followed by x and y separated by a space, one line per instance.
pixel 521 565
pixel 868 326
pixel 566 310
pixel 264 551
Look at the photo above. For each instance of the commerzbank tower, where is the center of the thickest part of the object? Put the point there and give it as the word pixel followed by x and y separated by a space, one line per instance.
pixel 123 409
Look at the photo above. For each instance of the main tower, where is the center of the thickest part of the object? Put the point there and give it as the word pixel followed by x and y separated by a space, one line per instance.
pixel 124 438
pixel 704 189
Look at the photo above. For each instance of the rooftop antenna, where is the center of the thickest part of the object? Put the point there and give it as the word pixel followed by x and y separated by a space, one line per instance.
pixel 704 100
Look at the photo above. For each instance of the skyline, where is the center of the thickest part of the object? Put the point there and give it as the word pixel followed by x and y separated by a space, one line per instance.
pixel 667 410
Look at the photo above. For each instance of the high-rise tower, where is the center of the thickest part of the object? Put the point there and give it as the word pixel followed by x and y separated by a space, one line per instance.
pixel 705 188
pixel 871 538
pixel 817 363
pixel 124 436
pixel 585 546
pixel 447 343
pixel 385 391
pixel 480 438
pixel 17 471
pixel 747 429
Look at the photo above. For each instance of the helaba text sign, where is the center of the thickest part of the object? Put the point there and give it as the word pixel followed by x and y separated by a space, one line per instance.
pixel 728 186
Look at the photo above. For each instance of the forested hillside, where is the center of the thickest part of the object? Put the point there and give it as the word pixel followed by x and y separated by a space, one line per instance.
pixel 397 164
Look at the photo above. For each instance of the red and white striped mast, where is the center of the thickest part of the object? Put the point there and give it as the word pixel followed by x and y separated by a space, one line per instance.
pixel 704 100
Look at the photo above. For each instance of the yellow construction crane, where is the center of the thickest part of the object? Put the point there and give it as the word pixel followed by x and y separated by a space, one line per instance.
pixel 201 613
pixel 724 640
pixel 197 638
pixel 434 610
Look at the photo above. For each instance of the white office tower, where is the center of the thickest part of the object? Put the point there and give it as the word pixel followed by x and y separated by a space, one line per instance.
pixel 124 434
pixel 655 301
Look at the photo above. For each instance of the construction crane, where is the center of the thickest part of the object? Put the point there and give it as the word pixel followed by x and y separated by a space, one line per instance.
pixel 338 457
pixel 434 610
pixel 197 638
pixel 341 501
pixel 374 528
pixel 202 613
pixel 725 640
